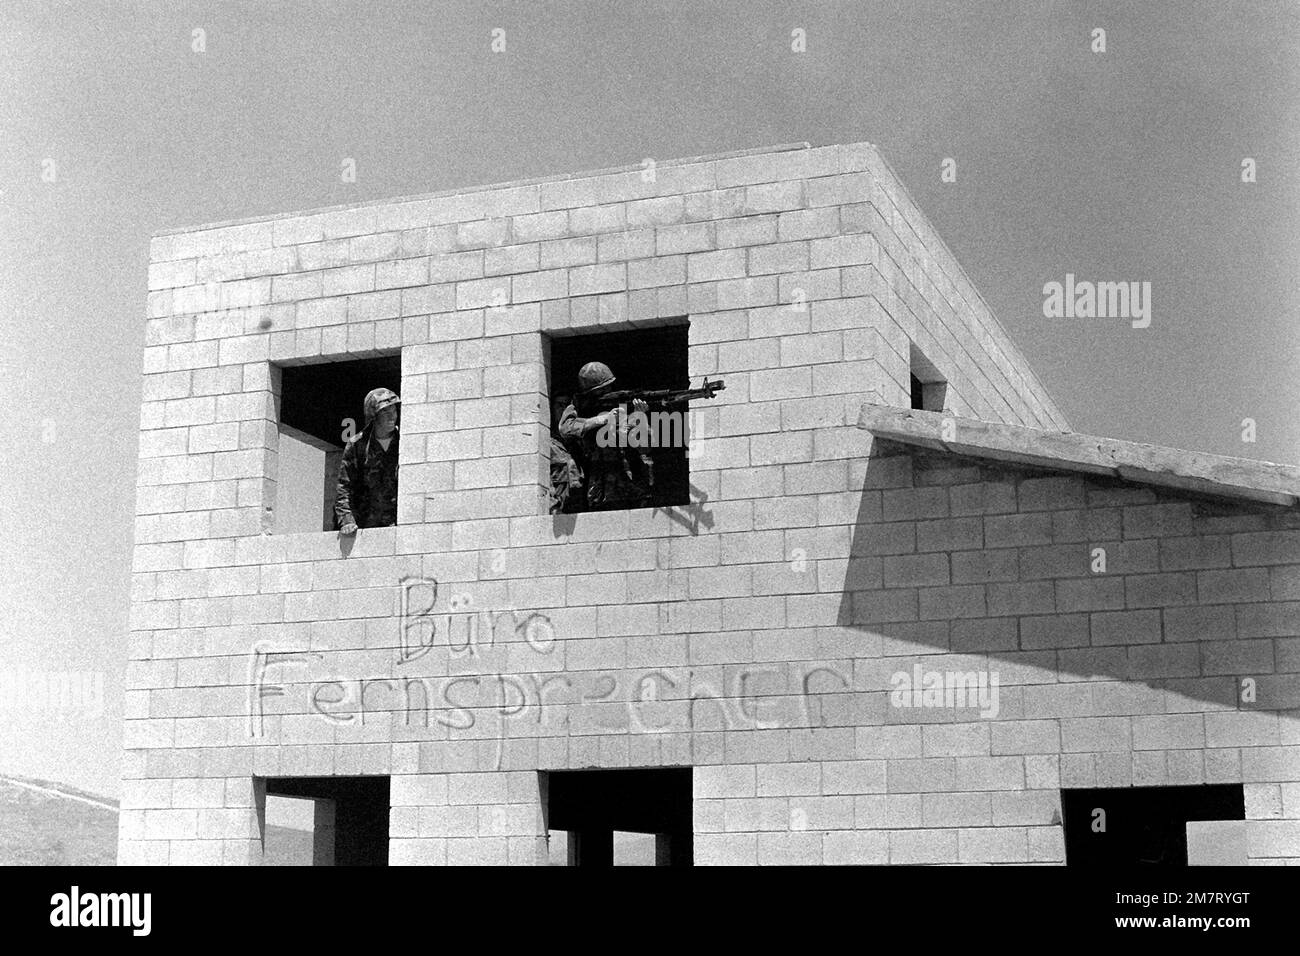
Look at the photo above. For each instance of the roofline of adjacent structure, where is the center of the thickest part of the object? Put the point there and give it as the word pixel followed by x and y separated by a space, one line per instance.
pixel 486 187
pixel 1190 471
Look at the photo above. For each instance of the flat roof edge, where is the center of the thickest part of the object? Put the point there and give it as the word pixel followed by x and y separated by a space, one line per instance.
pixel 1197 472
pixel 484 187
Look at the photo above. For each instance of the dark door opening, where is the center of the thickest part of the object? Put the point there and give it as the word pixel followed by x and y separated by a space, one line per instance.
pixel 590 805
pixel 351 817
pixel 1147 826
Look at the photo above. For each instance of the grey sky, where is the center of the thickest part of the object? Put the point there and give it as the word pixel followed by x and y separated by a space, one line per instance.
pixel 1122 166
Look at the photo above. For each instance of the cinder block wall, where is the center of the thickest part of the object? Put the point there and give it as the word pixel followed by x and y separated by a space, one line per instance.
pixel 716 635
pixel 1128 676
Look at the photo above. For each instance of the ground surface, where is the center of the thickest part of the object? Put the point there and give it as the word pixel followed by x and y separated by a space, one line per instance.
pixel 56 826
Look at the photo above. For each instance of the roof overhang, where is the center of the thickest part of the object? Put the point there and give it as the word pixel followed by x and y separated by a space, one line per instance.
pixel 1190 471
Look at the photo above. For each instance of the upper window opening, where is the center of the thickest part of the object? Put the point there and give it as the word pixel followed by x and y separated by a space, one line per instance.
pixel 322 410
pixel 929 388
pixel 614 446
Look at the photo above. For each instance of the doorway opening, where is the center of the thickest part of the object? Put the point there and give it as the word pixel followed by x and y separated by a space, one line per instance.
pixel 648 809
pixel 1145 826
pixel 349 817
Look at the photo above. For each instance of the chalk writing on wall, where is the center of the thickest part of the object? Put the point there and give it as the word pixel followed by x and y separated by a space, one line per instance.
pixel 462 628
pixel 657 700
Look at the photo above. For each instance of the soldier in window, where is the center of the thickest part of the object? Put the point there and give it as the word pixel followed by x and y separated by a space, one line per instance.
pixel 367 487
pixel 616 475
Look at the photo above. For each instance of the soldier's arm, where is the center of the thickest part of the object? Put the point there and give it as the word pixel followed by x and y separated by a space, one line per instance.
pixel 574 426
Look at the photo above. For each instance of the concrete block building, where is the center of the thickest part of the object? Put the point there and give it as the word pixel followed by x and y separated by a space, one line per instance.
pixel 896 613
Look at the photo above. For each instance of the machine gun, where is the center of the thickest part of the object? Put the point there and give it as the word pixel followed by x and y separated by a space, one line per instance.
pixel 660 396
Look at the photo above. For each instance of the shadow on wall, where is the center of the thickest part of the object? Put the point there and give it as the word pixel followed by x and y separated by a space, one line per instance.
pixel 692 517
pixel 941 558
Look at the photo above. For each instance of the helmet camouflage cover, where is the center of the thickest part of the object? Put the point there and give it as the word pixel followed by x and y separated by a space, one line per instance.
pixel 377 400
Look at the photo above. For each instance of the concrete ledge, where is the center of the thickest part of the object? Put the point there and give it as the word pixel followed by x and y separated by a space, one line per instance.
pixel 1216 475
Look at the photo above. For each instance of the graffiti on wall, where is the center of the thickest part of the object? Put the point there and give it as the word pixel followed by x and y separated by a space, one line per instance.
pixel 462 627
pixel 540 697
pixel 655 700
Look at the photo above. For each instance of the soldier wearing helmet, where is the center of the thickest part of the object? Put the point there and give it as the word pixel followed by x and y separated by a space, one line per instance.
pixel 367 487
pixel 616 476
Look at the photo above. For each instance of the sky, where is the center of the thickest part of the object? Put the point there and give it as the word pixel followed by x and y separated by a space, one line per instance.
pixel 1117 166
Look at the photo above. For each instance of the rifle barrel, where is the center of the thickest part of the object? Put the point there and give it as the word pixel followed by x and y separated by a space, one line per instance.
pixel 662 395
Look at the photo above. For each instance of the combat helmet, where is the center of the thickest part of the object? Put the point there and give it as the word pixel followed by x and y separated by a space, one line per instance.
pixel 594 375
pixel 377 400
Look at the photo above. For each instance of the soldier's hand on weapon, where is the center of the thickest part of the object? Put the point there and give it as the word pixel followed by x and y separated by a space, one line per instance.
pixel 617 418
pixel 625 412
pixel 348 529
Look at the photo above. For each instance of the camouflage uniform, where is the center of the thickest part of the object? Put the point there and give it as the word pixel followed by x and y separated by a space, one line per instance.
pixel 367 488
pixel 566 479
pixel 616 477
